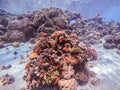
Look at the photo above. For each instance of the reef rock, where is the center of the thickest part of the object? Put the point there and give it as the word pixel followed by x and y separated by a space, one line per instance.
pixel 112 41
pixel 4 19
pixel 16 36
pixel 18 24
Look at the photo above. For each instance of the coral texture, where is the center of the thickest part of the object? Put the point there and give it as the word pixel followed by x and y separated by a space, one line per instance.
pixel 57 59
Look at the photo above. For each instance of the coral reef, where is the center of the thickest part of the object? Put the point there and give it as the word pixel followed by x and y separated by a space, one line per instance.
pixel 57 60
pixel 27 26
pixel 44 20
pixel 112 41
pixel 90 31
pixel 4 19
pixel 15 36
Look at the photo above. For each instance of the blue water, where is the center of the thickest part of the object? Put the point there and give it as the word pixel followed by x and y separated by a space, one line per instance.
pixel 113 13
pixel 72 21
pixel 109 9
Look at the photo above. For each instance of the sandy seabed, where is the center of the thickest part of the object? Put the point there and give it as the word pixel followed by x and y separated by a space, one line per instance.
pixel 106 69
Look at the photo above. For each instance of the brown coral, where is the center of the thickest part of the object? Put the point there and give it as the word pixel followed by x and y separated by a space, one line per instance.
pixel 56 58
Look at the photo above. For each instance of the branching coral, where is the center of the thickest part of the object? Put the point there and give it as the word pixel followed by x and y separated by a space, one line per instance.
pixel 56 59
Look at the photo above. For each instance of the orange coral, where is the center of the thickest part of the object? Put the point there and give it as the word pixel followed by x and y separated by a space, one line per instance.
pixel 61 38
pixel 67 59
pixel 57 33
pixel 40 49
pixel 43 73
pixel 33 55
pixel 60 32
pixel 41 61
pixel 54 57
pixel 42 34
pixel 53 45
pixel 27 66
pixel 54 35
pixel 56 80
pixel 66 49
pixel 75 61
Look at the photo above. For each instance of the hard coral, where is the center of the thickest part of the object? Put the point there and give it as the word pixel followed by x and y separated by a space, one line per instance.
pixel 32 55
pixel 57 59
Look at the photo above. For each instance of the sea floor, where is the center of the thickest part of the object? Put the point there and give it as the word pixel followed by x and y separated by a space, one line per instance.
pixel 106 69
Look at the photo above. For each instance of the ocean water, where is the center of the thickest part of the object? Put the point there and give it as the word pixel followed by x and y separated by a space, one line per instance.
pixel 109 9
pixel 106 68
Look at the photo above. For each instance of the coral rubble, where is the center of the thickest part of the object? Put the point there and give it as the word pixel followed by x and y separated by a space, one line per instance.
pixel 57 60
pixel 6 79
pixel 6 67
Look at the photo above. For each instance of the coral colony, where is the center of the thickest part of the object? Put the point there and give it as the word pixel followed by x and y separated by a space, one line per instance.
pixel 62 42
pixel 57 60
